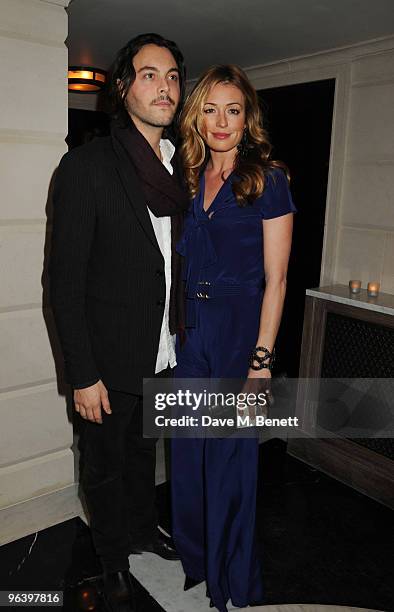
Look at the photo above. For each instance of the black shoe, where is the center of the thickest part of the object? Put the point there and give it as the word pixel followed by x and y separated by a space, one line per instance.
pixel 190 583
pixel 118 591
pixel 162 546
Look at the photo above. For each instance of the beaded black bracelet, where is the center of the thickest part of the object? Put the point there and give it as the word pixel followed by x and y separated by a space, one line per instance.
pixel 254 357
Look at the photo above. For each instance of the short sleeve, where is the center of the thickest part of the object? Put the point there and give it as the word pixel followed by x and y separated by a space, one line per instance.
pixel 276 199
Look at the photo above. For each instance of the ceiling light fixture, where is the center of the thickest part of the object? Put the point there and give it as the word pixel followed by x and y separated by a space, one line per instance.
pixel 83 79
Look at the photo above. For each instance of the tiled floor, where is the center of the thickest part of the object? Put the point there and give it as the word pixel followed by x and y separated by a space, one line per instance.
pixel 323 545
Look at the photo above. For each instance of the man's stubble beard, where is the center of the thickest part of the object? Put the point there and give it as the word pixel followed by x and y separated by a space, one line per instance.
pixel 148 119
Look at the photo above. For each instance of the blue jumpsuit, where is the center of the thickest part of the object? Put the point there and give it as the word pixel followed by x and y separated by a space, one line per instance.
pixel 214 480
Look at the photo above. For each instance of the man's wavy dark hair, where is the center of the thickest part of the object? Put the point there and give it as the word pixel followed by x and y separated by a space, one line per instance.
pixel 122 70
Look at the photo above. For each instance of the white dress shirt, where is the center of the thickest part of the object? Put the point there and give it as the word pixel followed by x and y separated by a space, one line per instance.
pixel 162 229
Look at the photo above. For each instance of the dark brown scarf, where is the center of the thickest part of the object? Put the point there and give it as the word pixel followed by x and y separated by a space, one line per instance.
pixel 165 196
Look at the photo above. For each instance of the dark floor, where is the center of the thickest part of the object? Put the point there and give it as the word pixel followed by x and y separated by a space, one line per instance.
pixel 321 542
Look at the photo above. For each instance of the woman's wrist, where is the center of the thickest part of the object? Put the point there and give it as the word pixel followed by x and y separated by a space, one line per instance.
pixel 261 357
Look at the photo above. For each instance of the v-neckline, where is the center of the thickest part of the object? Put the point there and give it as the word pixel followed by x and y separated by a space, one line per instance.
pixel 216 195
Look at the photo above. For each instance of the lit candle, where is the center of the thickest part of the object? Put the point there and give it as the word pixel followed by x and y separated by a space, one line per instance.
pixel 355 286
pixel 373 289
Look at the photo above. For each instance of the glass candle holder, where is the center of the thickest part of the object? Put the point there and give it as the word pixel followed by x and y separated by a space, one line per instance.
pixel 373 289
pixel 354 286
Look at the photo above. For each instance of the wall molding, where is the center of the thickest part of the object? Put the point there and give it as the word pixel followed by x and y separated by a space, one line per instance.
pixel 353 161
pixel 367 228
pixel 29 389
pixel 38 513
pixel 17 223
pixel 18 311
pixel 63 3
pixel 327 59
pixel 32 137
pixel 373 82
pixel 46 42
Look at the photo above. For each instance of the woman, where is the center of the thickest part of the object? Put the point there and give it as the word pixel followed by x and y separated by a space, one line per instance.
pixel 237 232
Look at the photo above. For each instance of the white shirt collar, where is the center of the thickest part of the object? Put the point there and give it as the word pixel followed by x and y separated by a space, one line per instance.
pixel 167 150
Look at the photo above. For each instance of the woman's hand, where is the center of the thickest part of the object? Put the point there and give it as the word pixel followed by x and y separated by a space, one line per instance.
pixel 257 382
pixel 263 373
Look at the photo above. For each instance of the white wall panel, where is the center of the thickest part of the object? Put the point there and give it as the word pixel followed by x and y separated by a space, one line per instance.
pixel 33 86
pixel 34 422
pixel 33 19
pixel 361 254
pixel 26 170
pixel 371 123
pixel 36 477
pixel 372 67
pixel 369 196
pixel 22 252
pixel 25 349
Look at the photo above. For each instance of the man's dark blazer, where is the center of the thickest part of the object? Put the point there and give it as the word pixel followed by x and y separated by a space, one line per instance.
pixel 107 282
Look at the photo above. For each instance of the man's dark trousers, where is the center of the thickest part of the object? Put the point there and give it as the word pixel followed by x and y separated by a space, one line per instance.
pixel 118 479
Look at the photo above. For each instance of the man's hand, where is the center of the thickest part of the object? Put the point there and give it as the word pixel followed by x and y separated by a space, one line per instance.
pixel 88 402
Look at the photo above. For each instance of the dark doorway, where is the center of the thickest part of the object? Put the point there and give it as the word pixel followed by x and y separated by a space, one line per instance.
pixel 299 119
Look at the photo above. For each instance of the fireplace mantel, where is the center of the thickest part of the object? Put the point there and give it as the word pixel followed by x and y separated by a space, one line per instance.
pixel 384 302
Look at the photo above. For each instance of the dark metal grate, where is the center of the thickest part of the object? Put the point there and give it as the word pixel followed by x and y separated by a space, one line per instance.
pixel 357 349
pixel 382 446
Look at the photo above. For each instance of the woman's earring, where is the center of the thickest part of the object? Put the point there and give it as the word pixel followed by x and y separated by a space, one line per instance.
pixel 243 146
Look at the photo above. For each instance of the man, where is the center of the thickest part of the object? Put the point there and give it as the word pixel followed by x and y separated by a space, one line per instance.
pixel 117 297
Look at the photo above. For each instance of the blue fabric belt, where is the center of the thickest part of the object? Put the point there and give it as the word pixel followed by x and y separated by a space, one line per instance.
pixel 206 291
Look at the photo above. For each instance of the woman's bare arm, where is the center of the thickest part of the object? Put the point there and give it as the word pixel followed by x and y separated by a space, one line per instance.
pixel 277 245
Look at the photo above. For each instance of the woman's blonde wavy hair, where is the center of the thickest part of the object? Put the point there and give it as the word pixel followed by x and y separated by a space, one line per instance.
pixel 251 167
